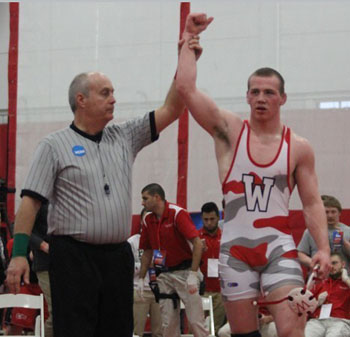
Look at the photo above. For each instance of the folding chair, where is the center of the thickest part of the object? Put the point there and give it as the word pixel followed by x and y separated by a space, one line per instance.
pixel 207 303
pixel 26 301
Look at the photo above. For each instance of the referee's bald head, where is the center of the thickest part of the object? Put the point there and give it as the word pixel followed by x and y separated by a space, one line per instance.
pixel 80 84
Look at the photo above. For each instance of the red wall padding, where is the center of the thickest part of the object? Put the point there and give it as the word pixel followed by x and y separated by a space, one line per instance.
pixel 3 150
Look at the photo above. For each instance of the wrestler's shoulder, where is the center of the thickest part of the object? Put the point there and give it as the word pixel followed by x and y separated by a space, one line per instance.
pixel 300 146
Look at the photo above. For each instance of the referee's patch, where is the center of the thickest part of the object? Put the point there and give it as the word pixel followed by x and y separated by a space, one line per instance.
pixel 78 150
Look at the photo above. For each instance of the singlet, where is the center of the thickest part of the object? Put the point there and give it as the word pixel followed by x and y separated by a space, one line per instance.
pixel 256 204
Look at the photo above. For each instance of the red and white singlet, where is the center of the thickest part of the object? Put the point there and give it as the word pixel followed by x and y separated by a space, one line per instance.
pixel 256 243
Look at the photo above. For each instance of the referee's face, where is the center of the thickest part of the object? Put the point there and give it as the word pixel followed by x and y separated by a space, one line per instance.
pixel 100 102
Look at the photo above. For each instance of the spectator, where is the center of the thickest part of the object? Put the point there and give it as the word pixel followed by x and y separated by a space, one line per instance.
pixel 338 234
pixel 332 317
pixel 211 235
pixel 165 236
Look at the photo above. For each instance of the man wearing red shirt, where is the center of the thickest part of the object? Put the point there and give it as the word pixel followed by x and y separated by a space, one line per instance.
pixel 332 318
pixel 211 235
pixel 167 236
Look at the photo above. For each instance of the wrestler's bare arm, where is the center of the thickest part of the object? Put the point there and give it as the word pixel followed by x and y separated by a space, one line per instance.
pixel 202 107
pixel 222 125
pixel 173 105
pixel 314 214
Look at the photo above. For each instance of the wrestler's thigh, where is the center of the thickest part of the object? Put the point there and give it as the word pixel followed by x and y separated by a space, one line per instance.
pixel 237 281
pixel 288 323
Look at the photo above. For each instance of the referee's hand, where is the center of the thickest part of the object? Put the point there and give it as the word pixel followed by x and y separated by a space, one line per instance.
pixel 17 268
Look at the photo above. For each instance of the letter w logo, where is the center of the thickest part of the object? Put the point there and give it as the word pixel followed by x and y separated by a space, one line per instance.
pixel 257 195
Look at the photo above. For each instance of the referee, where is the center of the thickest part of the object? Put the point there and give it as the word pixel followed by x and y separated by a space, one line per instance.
pixel 85 171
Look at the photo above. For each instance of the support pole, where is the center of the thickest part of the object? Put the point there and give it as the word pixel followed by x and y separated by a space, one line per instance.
pixel 182 140
pixel 12 108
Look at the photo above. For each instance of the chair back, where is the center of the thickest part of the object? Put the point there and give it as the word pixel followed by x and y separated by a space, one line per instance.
pixel 26 301
pixel 207 303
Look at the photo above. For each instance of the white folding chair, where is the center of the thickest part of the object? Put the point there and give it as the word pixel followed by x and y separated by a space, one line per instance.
pixel 207 303
pixel 26 301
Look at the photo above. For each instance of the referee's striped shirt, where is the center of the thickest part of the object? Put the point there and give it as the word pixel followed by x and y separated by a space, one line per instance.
pixel 87 179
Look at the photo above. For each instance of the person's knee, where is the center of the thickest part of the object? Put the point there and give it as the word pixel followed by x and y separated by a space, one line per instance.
pixel 249 334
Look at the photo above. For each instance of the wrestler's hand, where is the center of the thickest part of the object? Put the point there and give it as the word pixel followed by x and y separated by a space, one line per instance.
pixel 17 268
pixel 192 282
pixel 193 43
pixel 140 287
pixel 321 258
pixel 197 22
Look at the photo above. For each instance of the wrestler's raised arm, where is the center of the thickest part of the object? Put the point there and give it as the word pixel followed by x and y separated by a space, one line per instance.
pixel 201 106
pixel 173 105
pixel 222 125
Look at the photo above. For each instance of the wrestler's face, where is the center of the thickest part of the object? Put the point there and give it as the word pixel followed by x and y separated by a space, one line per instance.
pixel 264 97
pixel 210 221
pixel 149 202
pixel 333 215
pixel 99 104
pixel 336 265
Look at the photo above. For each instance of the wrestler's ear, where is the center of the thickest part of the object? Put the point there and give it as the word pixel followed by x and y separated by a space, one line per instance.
pixel 283 99
pixel 247 97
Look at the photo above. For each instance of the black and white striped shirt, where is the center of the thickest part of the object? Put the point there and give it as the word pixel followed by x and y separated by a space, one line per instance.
pixel 88 180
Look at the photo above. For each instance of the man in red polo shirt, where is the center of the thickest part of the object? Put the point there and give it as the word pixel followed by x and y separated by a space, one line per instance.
pixel 171 240
pixel 211 236
pixel 332 318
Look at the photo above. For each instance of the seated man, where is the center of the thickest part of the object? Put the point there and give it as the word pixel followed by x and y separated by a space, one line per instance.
pixel 338 234
pixel 332 317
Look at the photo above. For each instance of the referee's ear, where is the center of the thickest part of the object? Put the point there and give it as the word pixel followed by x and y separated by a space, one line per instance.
pixel 80 100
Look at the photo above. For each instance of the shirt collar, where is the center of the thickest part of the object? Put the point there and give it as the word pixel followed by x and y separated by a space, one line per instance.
pixel 95 138
pixel 165 214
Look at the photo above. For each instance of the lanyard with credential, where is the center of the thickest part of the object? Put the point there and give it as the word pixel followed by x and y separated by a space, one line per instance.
pixel 158 234
pixel 158 254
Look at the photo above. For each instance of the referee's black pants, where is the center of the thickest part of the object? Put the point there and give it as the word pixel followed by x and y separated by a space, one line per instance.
pixel 92 288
